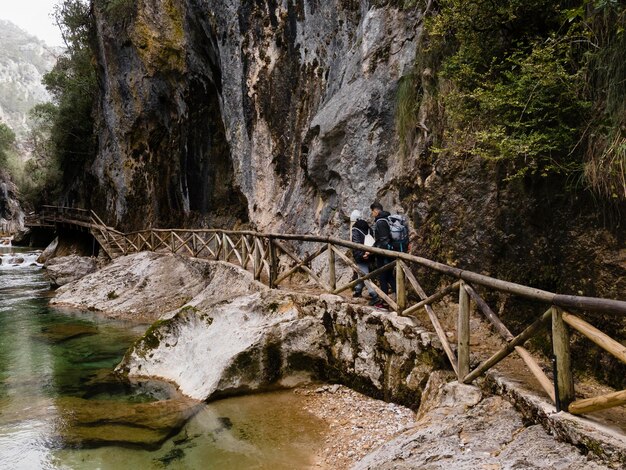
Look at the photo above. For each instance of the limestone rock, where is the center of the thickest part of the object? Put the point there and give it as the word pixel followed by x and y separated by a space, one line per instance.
pixel 235 335
pixel 460 429
pixel 67 269
pixel 140 286
pixel 49 252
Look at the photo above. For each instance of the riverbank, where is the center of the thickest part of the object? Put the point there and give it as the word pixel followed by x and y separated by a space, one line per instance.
pixel 230 335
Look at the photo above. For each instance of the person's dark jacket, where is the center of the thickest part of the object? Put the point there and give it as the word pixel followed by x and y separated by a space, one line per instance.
pixel 382 231
pixel 359 230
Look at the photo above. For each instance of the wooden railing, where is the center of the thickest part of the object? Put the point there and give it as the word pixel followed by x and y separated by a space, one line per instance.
pixel 272 260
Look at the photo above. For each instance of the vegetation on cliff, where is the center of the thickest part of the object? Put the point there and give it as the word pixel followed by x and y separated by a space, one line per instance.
pixel 62 136
pixel 533 84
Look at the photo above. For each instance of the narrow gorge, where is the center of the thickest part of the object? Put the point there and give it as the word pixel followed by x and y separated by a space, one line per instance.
pixel 201 165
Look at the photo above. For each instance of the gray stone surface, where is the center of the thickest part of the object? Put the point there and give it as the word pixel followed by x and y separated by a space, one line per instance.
pixel 66 269
pixel 459 428
pixel 281 113
pixel 142 286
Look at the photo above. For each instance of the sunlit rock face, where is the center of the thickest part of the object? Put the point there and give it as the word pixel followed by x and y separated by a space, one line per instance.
pixel 278 113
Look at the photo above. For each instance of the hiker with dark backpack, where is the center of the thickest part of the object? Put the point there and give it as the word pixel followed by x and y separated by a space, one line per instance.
pixel 362 233
pixel 382 231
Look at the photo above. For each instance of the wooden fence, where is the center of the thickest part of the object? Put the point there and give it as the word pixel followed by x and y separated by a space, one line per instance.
pixel 273 261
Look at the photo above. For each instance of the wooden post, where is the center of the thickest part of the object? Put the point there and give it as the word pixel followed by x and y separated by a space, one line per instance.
pixel 400 287
pixel 463 332
pixel 244 251
pixel 560 344
pixel 273 263
pixel 332 276
pixel 257 260
pixel 224 247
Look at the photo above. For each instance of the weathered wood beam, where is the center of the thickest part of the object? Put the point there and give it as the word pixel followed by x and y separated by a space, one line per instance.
pixel 601 339
pixel 508 349
pixel 589 405
pixel 441 334
pixel 528 359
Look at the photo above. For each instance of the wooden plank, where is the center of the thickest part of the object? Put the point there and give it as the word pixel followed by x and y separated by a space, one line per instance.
pixel 489 314
pixel 306 269
pixel 244 251
pixel 601 339
pixel 383 295
pixel 509 348
pixel 537 371
pixel 273 261
pixel 234 248
pixel 530 361
pixel 162 242
pixel 258 258
pixel 441 334
pixel 354 267
pixel 588 405
pixel 184 243
pixel 561 348
pixel 365 278
pixel 463 333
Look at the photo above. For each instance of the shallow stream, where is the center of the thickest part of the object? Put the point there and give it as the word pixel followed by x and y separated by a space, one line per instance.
pixel 62 407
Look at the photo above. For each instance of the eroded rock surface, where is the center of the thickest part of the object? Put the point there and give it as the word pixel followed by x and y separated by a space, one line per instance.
pixel 269 339
pixel 142 286
pixel 66 269
pixel 460 428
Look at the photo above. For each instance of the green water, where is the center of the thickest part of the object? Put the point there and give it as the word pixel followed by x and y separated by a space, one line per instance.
pixel 62 407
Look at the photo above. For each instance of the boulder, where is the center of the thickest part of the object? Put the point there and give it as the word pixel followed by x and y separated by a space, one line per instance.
pixel 67 269
pixel 226 341
pixel 142 286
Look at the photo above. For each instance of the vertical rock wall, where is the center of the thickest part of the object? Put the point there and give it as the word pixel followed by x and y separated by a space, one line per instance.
pixel 276 112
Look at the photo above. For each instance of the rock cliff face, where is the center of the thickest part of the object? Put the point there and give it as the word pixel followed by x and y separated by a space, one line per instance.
pixel 11 214
pixel 23 61
pixel 280 113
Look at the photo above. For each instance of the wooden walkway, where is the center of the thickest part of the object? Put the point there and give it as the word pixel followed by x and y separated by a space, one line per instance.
pixel 272 260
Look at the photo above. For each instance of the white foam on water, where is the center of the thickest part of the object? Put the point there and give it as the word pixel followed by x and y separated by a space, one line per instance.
pixel 12 260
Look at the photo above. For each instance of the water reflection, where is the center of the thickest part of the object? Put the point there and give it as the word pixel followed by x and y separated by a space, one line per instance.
pixel 61 406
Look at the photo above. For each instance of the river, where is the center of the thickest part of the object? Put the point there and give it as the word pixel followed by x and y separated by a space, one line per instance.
pixel 61 407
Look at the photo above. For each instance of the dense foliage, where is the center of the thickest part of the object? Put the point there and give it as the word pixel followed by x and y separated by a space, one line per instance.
pixel 535 84
pixel 7 141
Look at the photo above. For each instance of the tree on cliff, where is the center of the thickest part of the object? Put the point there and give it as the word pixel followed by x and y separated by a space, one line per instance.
pixel 7 142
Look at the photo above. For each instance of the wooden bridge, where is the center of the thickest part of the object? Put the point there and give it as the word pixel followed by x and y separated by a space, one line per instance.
pixel 272 260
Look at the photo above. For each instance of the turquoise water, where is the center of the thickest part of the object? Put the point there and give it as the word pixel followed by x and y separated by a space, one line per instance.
pixel 62 407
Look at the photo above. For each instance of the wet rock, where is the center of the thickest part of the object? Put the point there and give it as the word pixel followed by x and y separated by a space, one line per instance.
pixel 67 269
pixel 94 423
pixel 269 338
pixel 49 251
pixel 64 332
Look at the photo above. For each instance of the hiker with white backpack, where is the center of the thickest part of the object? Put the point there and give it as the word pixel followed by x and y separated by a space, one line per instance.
pixel 361 233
